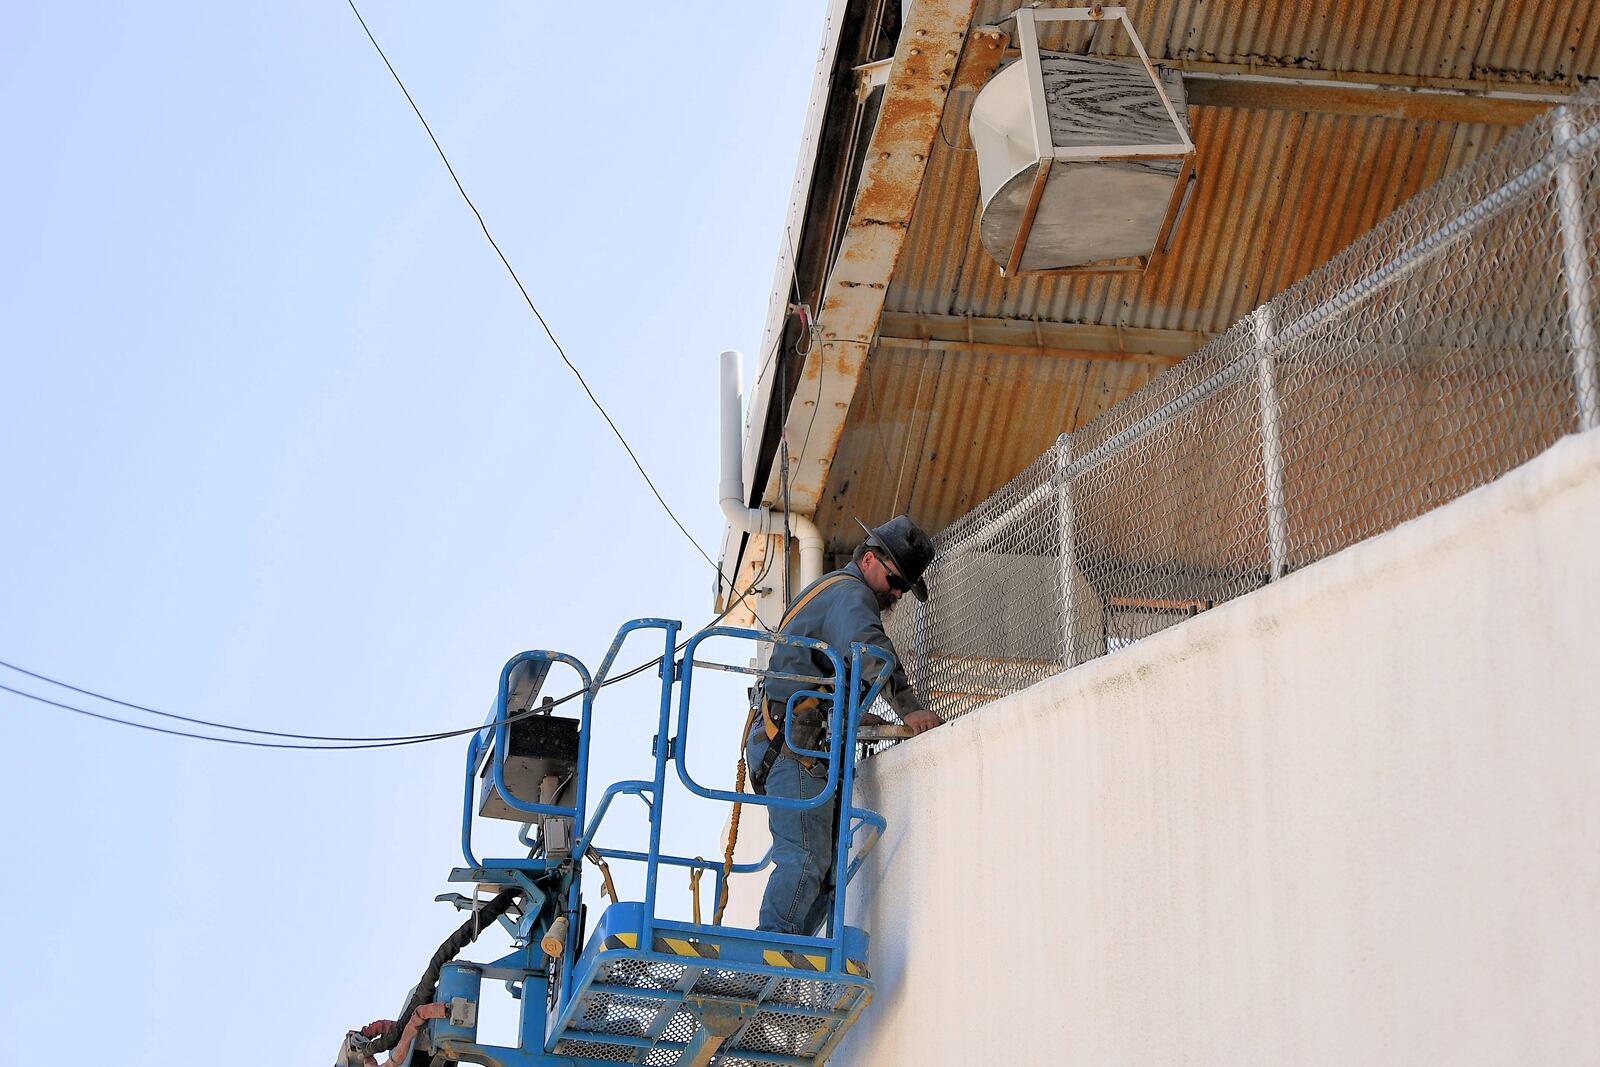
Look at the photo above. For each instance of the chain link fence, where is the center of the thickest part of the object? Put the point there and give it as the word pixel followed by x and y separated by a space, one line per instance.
pixel 1453 342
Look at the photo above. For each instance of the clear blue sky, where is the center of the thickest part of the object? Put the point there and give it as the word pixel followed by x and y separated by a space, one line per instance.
pixel 281 445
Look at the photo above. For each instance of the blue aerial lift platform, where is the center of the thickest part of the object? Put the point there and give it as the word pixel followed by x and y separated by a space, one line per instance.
pixel 639 988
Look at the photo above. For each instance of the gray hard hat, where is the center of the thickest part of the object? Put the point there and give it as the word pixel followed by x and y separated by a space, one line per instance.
pixel 907 547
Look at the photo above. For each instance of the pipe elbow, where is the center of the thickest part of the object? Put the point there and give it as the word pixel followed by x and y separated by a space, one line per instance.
pixel 805 532
pixel 739 516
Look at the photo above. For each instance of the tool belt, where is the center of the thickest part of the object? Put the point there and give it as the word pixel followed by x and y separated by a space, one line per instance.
pixel 810 727
pixel 810 730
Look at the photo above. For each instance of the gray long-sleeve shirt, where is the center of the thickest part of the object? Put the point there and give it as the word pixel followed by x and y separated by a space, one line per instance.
pixel 843 613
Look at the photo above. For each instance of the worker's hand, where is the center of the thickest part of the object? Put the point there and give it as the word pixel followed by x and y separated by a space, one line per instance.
pixel 920 721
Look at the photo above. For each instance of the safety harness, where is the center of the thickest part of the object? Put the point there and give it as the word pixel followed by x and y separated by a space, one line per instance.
pixel 773 711
pixel 772 723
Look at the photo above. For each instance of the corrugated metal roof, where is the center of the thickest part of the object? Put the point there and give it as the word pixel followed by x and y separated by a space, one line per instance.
pixel 1548 42
pixel 947 421
pixel 1278 192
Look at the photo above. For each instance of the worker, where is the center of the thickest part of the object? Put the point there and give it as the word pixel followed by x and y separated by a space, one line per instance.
pixel 840 608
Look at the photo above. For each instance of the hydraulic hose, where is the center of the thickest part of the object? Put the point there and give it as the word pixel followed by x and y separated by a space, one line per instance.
pixel 464 936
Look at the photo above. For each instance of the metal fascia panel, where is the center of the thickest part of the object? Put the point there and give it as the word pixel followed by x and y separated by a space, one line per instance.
pixel 778 302
pixel 896 162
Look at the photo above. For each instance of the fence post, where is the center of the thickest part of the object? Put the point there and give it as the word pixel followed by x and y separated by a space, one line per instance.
pixel 921 647
pixel 1575 260
pixel 1271 444
pixel 1066 529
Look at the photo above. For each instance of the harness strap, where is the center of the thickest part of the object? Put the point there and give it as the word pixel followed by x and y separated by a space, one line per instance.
pixel 694 887
pixel 811 594
pixel 733 830
pixel 758 774
pixel 772 721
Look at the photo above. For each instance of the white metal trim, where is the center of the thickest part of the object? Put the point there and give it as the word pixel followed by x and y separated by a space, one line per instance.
pixel 1027 33
pixel 1172 112
pixel 1038 110
pixel 875 75
pixel 764 384
pixel 1123 151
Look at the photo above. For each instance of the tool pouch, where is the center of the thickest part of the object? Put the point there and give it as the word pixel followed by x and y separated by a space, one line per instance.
pixel 810 730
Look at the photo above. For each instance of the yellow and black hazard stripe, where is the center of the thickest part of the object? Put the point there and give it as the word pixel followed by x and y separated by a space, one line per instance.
pixel 679 947
pixel 800 961
pixel 806 961
pixel 675 946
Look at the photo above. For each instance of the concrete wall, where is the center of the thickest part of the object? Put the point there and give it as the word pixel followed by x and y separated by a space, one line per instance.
pixel 1353 818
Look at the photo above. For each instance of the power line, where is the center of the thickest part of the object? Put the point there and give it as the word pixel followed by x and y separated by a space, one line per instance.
pixel 332 742
pixel 224 740
pixel 342 743
pixel 337 743
pixel 207 722
pixel 529 300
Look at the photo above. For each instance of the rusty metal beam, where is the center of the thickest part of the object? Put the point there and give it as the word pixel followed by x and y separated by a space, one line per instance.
pixel 1414 97
pixel 1376 101
pixel 785 277
pixel 980 58
pixel 919 84
pixel 1073 340
pixel 1037 351
pixel 1509 87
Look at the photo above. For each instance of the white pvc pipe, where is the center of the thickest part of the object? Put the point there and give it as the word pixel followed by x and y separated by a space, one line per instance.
pixel 730 488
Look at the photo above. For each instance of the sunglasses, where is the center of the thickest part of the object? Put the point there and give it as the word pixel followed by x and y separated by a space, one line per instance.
pixel 896 581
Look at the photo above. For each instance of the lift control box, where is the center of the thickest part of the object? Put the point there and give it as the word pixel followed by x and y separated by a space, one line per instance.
pixel 538 747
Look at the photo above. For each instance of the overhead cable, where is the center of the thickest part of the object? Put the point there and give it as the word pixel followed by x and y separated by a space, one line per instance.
pixel 529 299
pixel 323 742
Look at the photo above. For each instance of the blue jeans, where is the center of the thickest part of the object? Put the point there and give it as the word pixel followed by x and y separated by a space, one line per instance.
pixel 799 892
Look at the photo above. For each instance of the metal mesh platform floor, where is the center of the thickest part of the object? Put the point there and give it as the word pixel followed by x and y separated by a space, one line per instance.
pixel 645 1007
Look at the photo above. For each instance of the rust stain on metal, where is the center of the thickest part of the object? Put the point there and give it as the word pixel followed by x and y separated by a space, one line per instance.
pixel 1375 102
pixel 846 356
pixel 934 344
pixel 938 444
pixel 1287 176
pixel 1015 335
pixel 984 50
pixel 1041 177
pixel 891 179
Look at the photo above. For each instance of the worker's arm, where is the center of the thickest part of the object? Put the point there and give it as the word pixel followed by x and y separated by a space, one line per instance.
pixel 858 619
